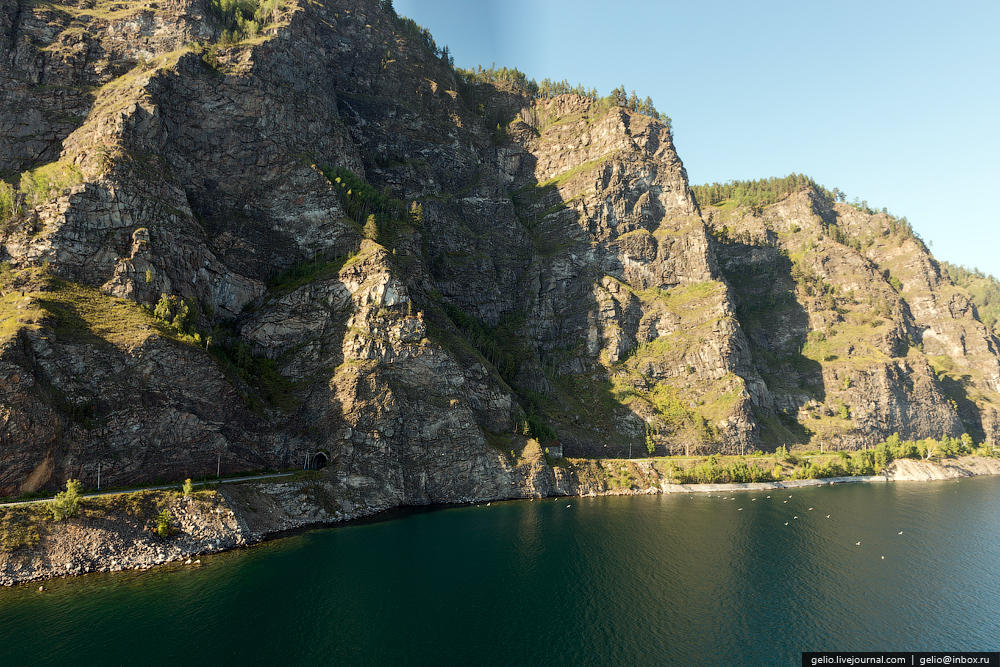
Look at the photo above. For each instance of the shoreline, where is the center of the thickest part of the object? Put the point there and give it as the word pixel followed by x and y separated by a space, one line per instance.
pixel 110 538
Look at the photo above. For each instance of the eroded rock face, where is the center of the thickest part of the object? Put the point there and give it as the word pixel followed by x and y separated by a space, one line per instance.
pixel 554 271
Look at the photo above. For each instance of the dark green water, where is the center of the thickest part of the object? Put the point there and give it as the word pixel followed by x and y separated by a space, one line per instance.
pixel 639 580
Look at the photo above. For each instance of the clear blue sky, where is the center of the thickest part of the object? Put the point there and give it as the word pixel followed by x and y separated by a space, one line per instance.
pixel 895 102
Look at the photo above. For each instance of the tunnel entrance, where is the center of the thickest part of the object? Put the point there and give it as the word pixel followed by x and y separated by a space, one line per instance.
pixel 319 461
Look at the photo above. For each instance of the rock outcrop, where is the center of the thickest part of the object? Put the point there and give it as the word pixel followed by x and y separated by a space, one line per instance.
pixel 317 243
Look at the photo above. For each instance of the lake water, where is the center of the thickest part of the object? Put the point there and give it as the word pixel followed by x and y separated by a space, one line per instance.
pixel 633 580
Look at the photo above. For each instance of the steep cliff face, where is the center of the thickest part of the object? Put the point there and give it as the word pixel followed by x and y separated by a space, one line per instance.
pixel 853 326
pixel 319 243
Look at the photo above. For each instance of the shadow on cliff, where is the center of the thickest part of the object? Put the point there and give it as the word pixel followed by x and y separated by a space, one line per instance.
pixel 956 388
pixel 776 325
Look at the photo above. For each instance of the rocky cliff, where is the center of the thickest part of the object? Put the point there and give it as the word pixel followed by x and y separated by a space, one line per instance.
pixel 308 240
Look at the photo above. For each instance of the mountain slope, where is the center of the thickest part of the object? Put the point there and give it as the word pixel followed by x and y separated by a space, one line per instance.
pixel 304 238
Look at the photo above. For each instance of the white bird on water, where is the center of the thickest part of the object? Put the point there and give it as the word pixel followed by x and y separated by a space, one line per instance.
pixel 827 516
pixel 810 509
pixel 857 543
pixel 567 506
pixel 883 557
pixel 900 533
pixel 740 509
pixel 769 496
pixel 786 523
pixel 796 516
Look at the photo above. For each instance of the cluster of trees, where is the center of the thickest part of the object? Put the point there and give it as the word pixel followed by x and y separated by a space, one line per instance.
pixel 872 461
pixel 377 211
pixel 508 76
pixel 182 314
pixel 983 288
pixel 237 360
pixel 756 193
pixel 243 19
pixel 765 191
pixel 497 347
pixel 644 106
pixel 712 471
pixel 512 77
pixel 486 341
pixel 548 89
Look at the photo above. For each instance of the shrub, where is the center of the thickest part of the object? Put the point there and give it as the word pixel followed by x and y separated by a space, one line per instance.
pixel 187 488
pixel 66 503
pixel 361 200
pixel 164 523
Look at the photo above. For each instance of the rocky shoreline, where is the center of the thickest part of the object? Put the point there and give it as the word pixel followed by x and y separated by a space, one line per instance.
pixel 115 533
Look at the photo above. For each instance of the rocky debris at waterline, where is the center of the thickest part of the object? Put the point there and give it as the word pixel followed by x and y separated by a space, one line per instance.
pixel 915 470
pixel 113 536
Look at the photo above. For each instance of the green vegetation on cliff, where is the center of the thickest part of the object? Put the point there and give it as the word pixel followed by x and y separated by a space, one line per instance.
pixel 379 215
pixel 515 79
pixel 35 186
pixel 243 19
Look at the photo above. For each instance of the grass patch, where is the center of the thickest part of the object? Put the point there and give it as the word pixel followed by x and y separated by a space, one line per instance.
pixel 39 184
pixel 565 176
pixel 307 272
pixel 22 527
pixel 75 312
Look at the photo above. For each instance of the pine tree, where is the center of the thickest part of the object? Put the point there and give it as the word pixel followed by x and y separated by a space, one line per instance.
pixel 417 213
pixel 370 230
pixel 164 309
pixel 619 95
